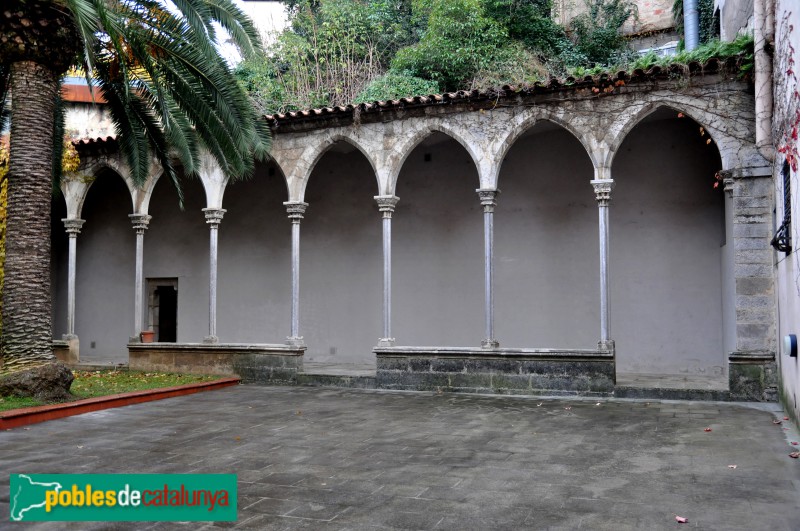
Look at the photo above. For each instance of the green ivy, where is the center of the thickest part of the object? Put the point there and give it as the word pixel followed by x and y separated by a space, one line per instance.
pixel 394 85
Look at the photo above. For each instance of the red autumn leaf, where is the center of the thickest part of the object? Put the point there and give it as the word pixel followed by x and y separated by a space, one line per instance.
pixel 707 429
pixel 795 443
pixel 681 519
pixel 716 184
pixel 785 418
pixel 680 115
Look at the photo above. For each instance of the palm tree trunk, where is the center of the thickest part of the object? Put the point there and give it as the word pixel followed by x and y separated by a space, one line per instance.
pixel 27 336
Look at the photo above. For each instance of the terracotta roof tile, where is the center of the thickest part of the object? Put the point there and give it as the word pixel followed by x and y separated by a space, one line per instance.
pixel 656 72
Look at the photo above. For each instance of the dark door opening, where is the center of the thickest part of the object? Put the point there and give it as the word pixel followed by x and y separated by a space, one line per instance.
pixel 167 297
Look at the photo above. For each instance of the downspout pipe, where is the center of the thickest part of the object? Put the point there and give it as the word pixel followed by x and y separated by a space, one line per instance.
pixel 691 25
pixel 764 37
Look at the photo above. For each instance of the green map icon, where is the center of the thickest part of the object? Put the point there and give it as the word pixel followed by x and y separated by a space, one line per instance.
pixel 28 496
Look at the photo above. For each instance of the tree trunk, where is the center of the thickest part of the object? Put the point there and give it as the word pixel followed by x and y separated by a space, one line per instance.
pixel 27 335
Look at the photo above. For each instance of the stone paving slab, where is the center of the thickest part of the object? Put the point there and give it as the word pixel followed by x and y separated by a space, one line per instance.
pixel 334 459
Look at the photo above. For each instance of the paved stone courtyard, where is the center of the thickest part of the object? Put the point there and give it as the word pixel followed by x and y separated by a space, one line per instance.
pixel 325 459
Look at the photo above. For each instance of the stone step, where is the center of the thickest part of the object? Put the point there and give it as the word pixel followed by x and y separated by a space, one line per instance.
pixel 662 393
pixel 337 380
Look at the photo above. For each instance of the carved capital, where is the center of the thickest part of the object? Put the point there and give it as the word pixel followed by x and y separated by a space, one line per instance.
pixel 295 209
pixel 73 226
pixel 602 190
pixel 214 216
pixel 488 198
pixel 727 178
pixel 140 222
pixel 386 204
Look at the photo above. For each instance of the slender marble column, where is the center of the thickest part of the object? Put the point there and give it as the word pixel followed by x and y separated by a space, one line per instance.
pixel 140 223
pixel 73 228
pixel 602 190
pixel 295 209
pixel 489 201
pixel 213 218
pixel 386 205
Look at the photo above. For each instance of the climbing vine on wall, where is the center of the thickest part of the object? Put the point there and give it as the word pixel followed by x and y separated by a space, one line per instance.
pixel 787 77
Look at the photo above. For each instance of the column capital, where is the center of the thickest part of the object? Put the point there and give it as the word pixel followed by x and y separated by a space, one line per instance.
pixel 73 225
pixel 140 222
pixel 602 190
pixel 488 198
pixel 295 209
pixel 386 204
pixel 214 216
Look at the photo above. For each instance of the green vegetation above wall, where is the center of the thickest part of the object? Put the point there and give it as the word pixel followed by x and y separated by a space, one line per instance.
pixel 337 52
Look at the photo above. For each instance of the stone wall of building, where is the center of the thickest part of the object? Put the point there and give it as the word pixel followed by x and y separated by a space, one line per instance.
pixel 786 122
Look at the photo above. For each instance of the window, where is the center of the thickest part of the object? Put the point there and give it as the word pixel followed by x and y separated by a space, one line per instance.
pixel 783 238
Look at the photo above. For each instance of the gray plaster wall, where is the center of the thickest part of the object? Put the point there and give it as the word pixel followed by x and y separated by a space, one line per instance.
pixel 438 248
pixel 176 246
pixel 340 260
pixel 547 255
pixel 667 232
pixel 253 291
pixel 105 272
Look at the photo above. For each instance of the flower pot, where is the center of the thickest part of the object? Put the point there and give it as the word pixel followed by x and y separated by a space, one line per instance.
pixel 148 336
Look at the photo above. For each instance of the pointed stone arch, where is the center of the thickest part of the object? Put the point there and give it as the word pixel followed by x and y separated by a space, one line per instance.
pixel 396 161
pixel 525 122
pixel 312 155
pixel 734 138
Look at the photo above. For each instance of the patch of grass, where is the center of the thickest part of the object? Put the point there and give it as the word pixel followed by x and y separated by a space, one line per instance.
pixel 15 402
pixel 91 384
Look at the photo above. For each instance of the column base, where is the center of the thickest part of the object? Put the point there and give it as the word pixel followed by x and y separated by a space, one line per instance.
pixel 386 342
pixel 490 343
pixel 210 340
pixel 606 345
pixel 295 341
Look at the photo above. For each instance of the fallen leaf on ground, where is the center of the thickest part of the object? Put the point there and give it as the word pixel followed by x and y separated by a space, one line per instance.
pixel 539 404
pixel 731 466
pixel 794 455
pixel 777 421
pixel 707 429
pixel 568 408
pixel 681 519
pixel 785 418
pixel 597 404
pixel 795 443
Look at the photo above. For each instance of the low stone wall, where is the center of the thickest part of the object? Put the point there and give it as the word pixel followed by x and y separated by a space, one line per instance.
pixel 67 350
pixel 753 377
pixel 251 362
pixel 501 371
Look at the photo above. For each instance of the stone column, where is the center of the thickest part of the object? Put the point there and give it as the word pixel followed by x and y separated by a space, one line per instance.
pixel 489 202
pixel 752 365
pixel 73 228
pixel 213 218
pixel 386 204
pixel 295 209
pixel 602 191
pixel 140 223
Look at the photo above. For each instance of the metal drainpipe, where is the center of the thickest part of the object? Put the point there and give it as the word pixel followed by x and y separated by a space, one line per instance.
pixel 691 25
pixel 764 35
